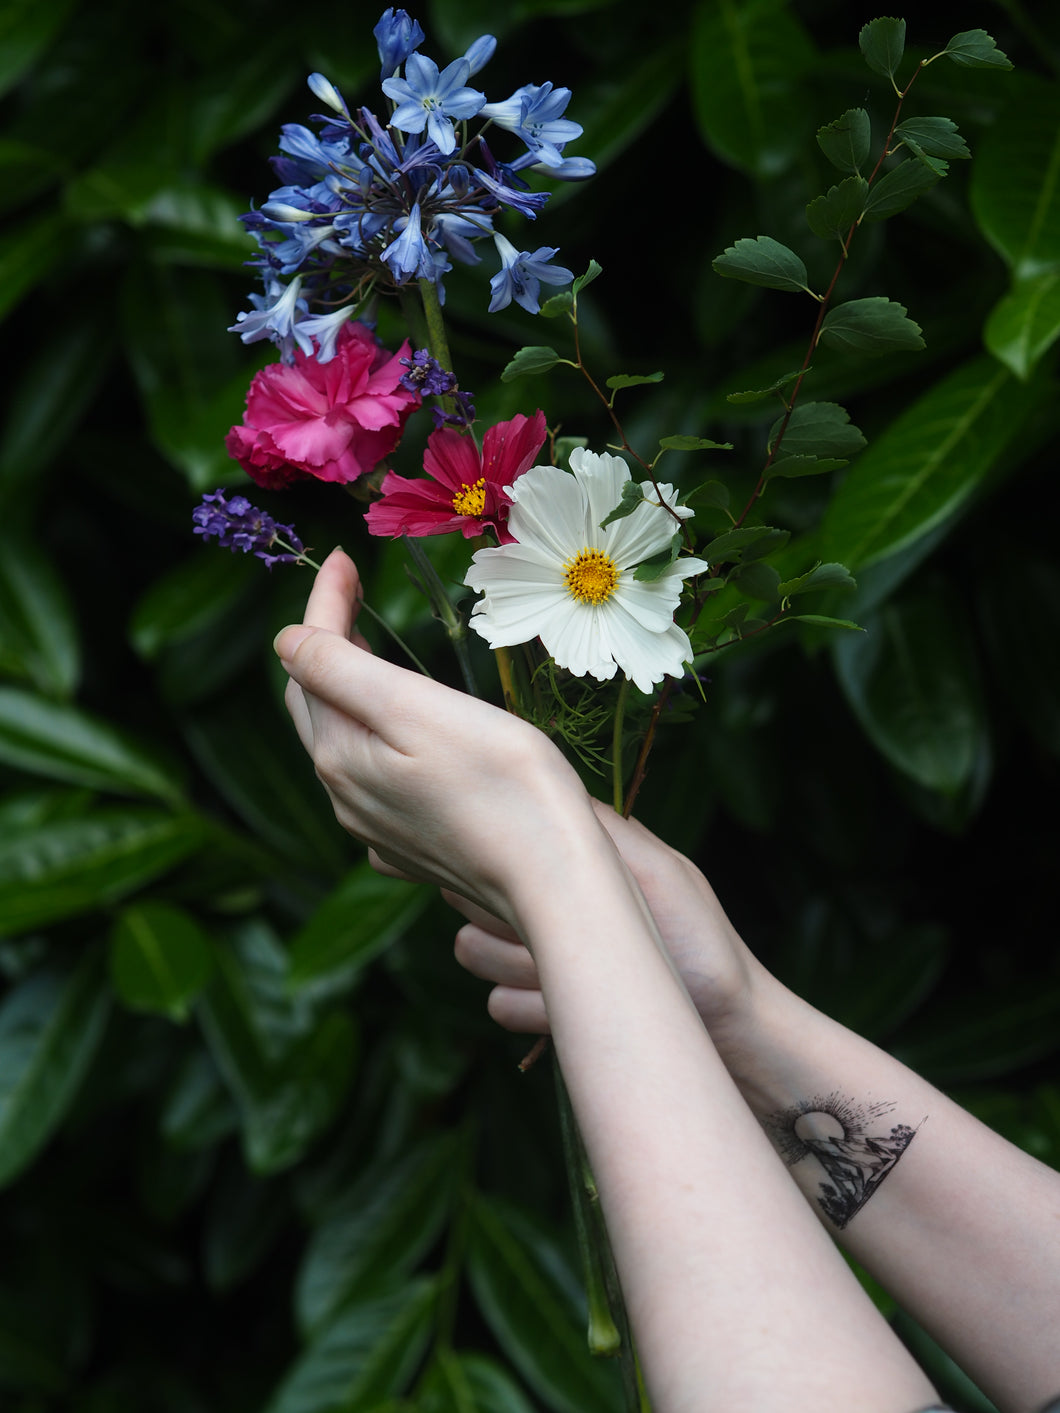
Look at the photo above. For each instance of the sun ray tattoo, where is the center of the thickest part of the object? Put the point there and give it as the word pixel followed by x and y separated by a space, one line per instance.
pixel 832 1129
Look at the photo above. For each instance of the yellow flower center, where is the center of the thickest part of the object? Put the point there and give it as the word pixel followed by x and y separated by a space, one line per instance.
pixel 471 500
pixel 591 576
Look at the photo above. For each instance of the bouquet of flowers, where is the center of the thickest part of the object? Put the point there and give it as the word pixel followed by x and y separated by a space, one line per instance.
pixel 595 586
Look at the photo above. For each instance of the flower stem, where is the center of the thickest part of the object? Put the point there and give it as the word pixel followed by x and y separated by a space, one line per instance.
pixel 442 607
pixel 617 772
pixel 437 340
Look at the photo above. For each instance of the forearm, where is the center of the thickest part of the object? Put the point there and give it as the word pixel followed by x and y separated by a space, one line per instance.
pixel 737 1298
pixel 959 1225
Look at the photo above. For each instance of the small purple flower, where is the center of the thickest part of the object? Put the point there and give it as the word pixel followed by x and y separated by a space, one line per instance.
pixel 426 375
pixel 238 525
pixel 462 415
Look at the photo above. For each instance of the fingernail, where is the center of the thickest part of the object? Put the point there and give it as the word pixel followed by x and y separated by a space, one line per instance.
pixel 288 640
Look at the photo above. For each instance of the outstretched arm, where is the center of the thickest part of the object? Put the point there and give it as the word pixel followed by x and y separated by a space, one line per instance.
pixel 959 1225
pixel 737 1298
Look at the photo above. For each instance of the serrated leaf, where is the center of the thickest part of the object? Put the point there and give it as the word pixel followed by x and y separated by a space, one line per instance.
pixel 820 577
pixel 912 682
pixel 840 208
pixel 845 142
pixel 933 164
pixel 1025 323
pixel 530 361
pixel 64 743
pixel 160 958
pixel 729 548
pixel 760 394
pixel 692 444
pixel 899 188
pixel 927 463
pixel 871 327
pixel 38 634
pixel 712 494
pixel 593 271
pixel 747 60
pixel 803 465
pixel 817 429
pixel 364 915
pixel 633 380
pixel 975 49
pixel 1015 195
pixel 557 304
pixel 761 260
pixel 937 137
pixel 757 580
pixel 50 1028
pixel 882 42
pixel 632 496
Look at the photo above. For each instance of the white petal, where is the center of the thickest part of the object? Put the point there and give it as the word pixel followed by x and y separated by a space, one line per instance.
pixel 548 512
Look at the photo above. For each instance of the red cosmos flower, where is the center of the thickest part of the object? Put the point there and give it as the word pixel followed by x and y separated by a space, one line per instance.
pixel 467 490
pixel 335 420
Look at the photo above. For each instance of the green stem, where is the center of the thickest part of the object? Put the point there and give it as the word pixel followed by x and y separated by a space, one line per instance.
pixel 442 608
pixel 609 1332
pixel 617 773
pixel 437 340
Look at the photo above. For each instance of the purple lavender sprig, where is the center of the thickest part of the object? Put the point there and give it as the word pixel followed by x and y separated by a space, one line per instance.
pixel 238 525
pixel 427 377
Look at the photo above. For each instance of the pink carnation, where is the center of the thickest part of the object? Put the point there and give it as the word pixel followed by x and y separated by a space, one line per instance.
pixel 467 489
pixel 335 420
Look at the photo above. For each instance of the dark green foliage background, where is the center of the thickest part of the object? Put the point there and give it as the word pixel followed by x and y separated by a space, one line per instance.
pixel 261 1147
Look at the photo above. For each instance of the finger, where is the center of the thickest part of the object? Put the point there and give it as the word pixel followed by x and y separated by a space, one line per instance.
pixel 493 959
pixel 333 599
pixel 520 1011
pixel 478 915
pixel 297 709
pixel 389 870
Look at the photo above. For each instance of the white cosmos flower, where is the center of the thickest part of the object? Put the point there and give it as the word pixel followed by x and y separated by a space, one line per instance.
pixel 571 584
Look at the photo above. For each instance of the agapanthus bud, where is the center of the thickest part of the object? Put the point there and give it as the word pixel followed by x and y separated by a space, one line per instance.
pixel 480 52
pixel 396 36
pixel 326 91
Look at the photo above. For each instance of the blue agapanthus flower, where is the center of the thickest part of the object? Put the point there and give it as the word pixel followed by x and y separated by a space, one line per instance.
pixel 368 203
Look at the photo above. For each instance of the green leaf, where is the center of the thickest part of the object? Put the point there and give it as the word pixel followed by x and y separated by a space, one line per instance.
pixel 26 31
pixel 912 681
pixel 65 743
pixel 936 137
pixel 38 634
pixel 709 495
pixel 633 380
pixel 160 958
pixel 1025 323
pixel 899 188
pixel 557 304
pixel 845 142
pixel 383 1226
pixel 761 260
pixel 730 547
pixel 364 915
pixel 822 621
pixel 1015 184
pixel 50 1028
pixel 692 444
pixel 632 496
pixel 803 465
pixel 760 394
pixel 839 209
pixel 882 42
pixel 747 59
pixel 974 49
pixel 648 570
pixel 64 867
pixel 190 597
pixel 592 272
pixel 817 429
pixel 30 252
pixel 821 576
pixel 469 1383
pixel 756 580
pixel 530 361
pixel 52 390
pixel 870 327
pixel 532 1314
pixel 367 1354
pixel 927 463
pixel 992 1034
